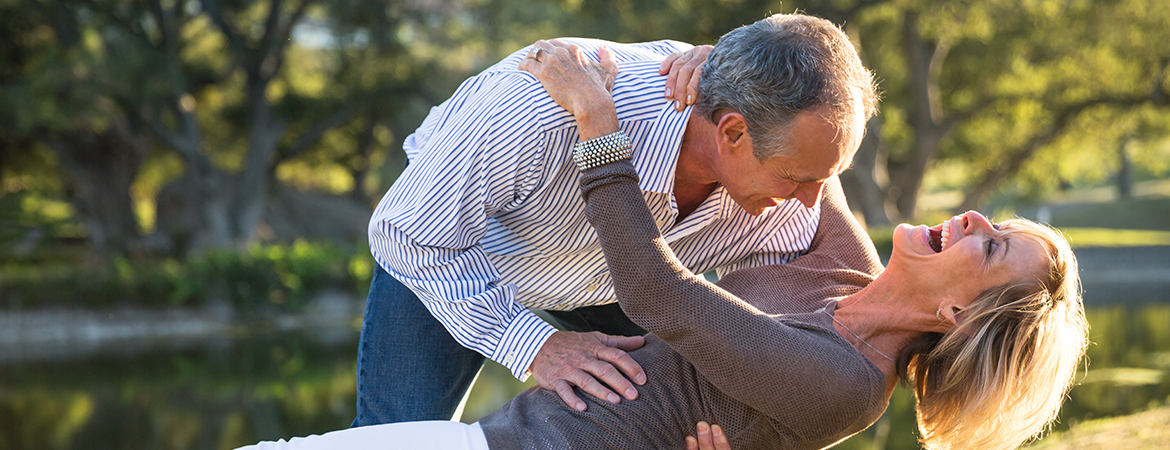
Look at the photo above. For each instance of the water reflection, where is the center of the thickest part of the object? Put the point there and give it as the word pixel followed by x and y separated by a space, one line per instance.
pixel 240 391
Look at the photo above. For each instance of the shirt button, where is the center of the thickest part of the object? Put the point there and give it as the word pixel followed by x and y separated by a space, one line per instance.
pixel 591 287
pixel 509 358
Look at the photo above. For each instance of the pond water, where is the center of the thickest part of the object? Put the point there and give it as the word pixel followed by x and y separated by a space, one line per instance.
pixel 233 392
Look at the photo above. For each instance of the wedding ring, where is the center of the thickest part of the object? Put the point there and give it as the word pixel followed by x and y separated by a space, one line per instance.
pixel 534 54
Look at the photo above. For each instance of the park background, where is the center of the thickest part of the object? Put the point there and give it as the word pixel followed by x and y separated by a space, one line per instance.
pixel 185 187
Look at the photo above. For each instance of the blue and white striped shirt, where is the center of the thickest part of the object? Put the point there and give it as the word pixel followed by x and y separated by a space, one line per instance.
pixel 487 218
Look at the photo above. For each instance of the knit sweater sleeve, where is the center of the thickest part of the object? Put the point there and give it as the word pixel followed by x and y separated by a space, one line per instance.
pixel 792 372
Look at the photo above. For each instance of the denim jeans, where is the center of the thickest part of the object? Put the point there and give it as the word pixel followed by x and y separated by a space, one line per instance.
pixel 409 368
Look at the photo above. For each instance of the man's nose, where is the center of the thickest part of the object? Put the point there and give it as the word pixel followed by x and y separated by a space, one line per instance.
pixel 809 193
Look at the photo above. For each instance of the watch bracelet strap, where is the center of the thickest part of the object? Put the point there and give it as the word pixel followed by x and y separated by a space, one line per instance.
pixel 602 150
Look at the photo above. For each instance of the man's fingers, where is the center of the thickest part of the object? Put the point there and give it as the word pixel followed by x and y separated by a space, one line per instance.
pixel 613 377
pixel 624 362
pixel 586 381
pixel 627 343
pixel 570 398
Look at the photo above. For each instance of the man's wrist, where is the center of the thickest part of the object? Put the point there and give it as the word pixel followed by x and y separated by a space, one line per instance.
pixel 522 339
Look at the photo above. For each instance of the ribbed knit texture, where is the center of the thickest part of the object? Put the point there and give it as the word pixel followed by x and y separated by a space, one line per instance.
pixel 751 354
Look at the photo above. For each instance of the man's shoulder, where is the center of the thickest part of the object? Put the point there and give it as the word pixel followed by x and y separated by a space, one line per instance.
pixel 623 52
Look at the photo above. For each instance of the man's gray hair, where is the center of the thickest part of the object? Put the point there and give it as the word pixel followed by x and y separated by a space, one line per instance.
pixel 775 68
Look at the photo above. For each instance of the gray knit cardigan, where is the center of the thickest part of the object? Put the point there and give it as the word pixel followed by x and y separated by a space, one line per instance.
pixel 753 354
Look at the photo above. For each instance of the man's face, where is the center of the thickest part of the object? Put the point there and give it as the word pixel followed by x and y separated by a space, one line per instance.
pixel 817 151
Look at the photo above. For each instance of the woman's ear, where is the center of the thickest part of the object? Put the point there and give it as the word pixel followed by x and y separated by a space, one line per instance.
pixel 951 314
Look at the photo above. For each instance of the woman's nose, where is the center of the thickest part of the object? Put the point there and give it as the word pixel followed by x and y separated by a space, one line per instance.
pixel 974 222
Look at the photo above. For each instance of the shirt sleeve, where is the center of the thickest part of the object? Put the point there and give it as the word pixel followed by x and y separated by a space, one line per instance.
pixel 480 154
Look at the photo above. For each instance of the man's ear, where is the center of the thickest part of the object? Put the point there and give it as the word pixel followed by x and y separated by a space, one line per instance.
pixel 732 132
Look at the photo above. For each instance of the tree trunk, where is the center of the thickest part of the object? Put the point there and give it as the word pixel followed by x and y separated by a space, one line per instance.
pixel 1124 169
pixel 102 166
pixel 924 60
pixel 361 170
pixel 860 184
pixel 251 195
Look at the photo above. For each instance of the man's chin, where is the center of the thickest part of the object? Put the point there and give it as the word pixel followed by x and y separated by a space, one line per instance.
pixel 755 210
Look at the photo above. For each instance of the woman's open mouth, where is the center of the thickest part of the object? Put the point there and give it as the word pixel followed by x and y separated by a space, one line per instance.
pixel 940 235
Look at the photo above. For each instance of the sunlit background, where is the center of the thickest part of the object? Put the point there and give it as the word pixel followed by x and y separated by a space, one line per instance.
pixel 185 187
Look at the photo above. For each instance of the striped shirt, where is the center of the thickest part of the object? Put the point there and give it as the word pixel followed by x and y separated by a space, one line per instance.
pixel 487 220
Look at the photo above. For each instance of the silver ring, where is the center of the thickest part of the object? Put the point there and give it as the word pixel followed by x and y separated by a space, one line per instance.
pixel 938 313
pixel 535 53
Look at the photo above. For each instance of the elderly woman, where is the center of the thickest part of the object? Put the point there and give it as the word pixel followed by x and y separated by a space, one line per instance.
pixel 983 320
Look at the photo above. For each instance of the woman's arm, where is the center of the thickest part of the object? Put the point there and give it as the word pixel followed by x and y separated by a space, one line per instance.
pixel 787 372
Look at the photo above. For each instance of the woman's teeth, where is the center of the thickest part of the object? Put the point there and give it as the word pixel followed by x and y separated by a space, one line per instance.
pixel 946 235
pixel 946 231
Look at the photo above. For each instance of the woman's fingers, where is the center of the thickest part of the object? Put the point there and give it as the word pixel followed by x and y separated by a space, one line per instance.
pixel 673 72
pixel 710 437
pixel 608 66
pixel 682 80
pixel 664 68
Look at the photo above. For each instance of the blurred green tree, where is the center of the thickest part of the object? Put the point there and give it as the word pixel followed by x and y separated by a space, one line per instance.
pixel 241 106
pixel 240 91
pixel 988 88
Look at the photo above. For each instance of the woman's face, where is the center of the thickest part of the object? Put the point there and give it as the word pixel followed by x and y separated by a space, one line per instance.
pixel 966 255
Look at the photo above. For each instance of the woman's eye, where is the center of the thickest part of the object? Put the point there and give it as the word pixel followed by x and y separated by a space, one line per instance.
pixel 991 246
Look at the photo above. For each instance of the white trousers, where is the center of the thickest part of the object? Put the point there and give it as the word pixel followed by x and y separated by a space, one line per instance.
pixel 427 435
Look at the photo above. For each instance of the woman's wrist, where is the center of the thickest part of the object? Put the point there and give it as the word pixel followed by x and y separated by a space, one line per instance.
pixel 596 118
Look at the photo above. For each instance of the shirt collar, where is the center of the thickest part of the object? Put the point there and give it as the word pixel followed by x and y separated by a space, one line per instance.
pixel 656 153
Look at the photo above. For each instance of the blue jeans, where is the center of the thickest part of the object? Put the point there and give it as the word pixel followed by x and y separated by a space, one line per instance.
pixel 409 368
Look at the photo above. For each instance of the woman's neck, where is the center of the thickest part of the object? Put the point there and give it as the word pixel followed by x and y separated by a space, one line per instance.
pixel 888 315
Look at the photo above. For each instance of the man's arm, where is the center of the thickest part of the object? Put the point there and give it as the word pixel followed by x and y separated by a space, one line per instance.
pixel 481 155
pixel 427 229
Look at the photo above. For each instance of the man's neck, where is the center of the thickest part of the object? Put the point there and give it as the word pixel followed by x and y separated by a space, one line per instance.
pixel 694 178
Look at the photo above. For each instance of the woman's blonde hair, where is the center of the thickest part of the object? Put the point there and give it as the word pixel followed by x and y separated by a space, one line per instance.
pixel 999 378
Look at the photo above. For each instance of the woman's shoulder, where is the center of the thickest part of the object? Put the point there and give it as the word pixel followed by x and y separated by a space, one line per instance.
pixel 796 287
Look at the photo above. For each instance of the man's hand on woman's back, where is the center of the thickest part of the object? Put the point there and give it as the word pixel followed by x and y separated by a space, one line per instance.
pixel 593 361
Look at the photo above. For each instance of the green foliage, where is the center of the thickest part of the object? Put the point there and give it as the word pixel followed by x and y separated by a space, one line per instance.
pixel 260 278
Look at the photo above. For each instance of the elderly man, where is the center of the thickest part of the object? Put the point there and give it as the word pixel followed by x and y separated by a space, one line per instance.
pixel 486 221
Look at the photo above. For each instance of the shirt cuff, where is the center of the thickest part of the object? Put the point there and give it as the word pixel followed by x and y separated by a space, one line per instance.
pixel 521 340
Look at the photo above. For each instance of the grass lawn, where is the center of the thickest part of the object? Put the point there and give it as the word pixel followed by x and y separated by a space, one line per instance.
pixel 1141 213
pixel 1148 430
pixel 1093 221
